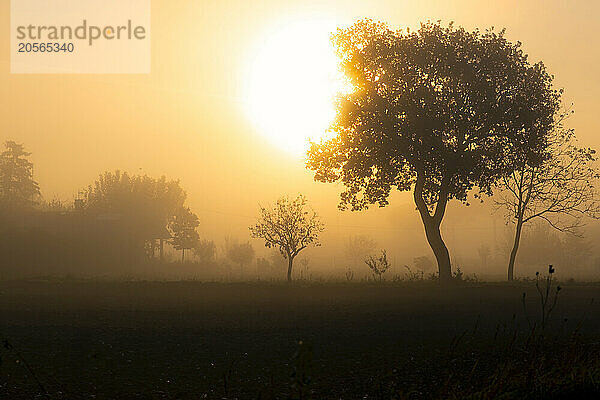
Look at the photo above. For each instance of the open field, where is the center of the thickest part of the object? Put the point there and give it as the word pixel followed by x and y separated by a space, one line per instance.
pixel 190 340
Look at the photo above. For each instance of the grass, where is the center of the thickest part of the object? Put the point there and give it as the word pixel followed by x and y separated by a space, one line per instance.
pixel 325 340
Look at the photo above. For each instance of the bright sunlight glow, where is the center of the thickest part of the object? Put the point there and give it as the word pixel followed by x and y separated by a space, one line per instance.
pixel 292 82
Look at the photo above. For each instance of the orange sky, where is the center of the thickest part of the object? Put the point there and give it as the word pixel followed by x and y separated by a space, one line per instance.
pixel 185 119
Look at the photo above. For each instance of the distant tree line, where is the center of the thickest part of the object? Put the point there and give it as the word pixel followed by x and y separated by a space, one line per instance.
pixel 118 219
pixel 121 220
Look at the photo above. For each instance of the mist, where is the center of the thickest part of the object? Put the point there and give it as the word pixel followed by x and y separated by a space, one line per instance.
pixel 300 200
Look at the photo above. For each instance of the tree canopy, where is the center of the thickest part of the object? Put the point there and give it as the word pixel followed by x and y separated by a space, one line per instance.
pixel 17 186
pixel 143 207
pixel 439 111
pixel 146 204
pixel 182 227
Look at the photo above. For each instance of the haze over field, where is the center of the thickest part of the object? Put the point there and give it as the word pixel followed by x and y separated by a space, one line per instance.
pixel 302 200
pixel 203 116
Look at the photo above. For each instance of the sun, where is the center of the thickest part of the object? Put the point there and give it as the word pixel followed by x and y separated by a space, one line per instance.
pixel 291 83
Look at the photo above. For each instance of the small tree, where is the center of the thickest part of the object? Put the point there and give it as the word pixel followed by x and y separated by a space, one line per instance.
pixel 17 187
pixel 560 190
pixel 378 265
pixel 182 227
pixel 240 253
pixel 290 226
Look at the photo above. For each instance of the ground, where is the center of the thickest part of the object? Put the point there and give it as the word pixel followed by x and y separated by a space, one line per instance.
pixel 191 340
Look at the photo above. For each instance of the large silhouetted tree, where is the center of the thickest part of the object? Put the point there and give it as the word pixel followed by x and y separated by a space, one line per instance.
pixel 290 226
pixel 17 186
pixel 438 111
pixel 561 190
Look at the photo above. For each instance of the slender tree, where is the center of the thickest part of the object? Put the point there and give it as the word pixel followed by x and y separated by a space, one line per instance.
pixel 290 226
pixel 17 186
pixel 438 111
pixel 561 190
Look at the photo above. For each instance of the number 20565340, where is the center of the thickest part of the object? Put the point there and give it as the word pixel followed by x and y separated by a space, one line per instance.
pixel 45 47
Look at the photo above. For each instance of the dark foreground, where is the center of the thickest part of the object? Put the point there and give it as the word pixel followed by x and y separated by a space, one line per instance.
pixel 189 340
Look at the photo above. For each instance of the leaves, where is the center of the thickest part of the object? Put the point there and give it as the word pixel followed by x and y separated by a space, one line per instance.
pixel 452 108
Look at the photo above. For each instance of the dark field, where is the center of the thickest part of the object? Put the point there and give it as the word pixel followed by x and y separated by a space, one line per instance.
pixel 190 340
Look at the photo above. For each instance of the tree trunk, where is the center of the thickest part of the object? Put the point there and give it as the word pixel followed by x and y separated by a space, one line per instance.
pixel 513 252
pixel 290 263
pixel 182 255
pixel 434 238
pixel 432 225
pixel 161 249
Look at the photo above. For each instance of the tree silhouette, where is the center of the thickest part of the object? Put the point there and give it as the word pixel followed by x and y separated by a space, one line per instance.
pixel 182 227
pixel 560 190
pixel 438 111
pixel 378 265
pixel 143 205
pixel 240 253
pixel 17 187
pixel 290 226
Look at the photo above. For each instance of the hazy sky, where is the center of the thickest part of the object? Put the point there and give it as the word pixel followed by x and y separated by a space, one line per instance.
pixel 187 119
